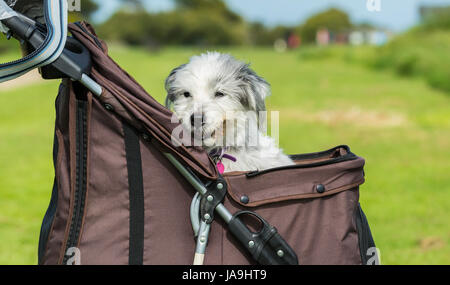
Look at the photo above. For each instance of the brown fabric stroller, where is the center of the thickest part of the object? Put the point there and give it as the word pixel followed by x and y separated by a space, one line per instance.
pixel 122 192
pixel 120 201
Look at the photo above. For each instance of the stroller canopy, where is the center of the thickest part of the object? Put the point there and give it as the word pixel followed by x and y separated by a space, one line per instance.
pixel 136 106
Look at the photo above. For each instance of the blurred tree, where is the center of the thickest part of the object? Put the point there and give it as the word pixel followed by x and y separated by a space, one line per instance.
pixel 88 8
pixel 195 4
pixel 365 26
pixel 333 19
pixel 435 18
pixel 193 22
pixel 125 27
pixel 209 5
pixel 262 35
pixel 259 34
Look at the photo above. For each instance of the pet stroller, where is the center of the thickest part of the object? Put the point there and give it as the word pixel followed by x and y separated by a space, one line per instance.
pixel 124 193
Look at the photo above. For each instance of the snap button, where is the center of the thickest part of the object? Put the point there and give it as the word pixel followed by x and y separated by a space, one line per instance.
pixel 146 137
pixel 245 199
pixel 109 107
pixel 320 188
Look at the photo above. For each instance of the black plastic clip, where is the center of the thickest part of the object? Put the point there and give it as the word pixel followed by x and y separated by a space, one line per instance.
pixel 266 246
pixel 213 197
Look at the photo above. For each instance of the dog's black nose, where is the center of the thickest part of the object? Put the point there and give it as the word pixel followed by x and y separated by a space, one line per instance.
pixel 197 119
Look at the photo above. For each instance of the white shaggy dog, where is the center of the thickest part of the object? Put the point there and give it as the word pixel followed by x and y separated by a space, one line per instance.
pixel 220 100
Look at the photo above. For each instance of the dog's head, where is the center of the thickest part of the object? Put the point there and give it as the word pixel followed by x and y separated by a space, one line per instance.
pixel 217 94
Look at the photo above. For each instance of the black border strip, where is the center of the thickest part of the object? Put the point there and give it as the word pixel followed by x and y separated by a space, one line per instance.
pixel 346 157
pixel 365 238
pixel 51 210
pixel 136 193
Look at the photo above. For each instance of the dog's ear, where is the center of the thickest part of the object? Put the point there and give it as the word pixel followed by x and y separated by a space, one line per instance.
pixel 168 84
pixel 256 89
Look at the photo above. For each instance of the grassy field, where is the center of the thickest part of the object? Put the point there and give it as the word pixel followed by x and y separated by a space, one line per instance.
pixel 400 126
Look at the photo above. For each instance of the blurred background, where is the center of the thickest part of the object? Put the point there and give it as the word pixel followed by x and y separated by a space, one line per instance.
pixel 372 74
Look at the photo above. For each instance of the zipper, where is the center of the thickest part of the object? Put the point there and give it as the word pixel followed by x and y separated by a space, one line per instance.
pixel 346 157
pixel 80 180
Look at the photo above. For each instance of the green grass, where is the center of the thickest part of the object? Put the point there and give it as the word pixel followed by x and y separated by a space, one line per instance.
pixel 401 126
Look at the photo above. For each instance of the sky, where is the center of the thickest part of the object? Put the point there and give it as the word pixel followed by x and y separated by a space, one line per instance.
pixel 396 15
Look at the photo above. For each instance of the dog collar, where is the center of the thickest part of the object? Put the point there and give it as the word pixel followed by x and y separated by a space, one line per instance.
pixel 217 155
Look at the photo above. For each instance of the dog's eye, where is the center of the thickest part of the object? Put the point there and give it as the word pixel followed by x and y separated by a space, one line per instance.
pixel 187 94
pixel 219 94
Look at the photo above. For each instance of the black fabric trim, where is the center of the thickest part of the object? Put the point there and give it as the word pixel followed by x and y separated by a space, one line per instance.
pixel 51 210
pixel 365 238
pixel 337 159
pixel 47 223
pixel 136 193
pixel 321 153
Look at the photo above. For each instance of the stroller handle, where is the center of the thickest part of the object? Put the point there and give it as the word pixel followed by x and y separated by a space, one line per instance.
pixel 73 62
pixel 48 41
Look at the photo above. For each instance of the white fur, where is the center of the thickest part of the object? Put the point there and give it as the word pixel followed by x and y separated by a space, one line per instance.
pixel 241 97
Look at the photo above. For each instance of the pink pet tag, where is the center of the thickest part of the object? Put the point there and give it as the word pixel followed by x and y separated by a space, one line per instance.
pixel 220 167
